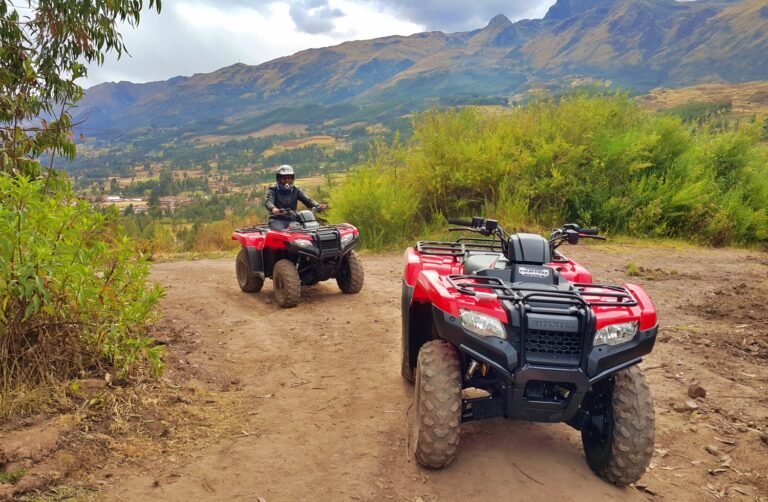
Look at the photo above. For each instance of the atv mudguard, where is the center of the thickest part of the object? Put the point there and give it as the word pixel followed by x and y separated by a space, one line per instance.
pixel 255 259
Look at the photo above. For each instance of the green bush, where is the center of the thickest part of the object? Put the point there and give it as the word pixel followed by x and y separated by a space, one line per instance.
pixel 596 160
pixel 73 295
pixel 377 200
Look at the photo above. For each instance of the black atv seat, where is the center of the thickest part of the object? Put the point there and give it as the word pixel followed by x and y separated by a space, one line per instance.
pixel 480 261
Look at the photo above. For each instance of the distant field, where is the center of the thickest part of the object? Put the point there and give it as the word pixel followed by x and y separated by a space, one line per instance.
pixel 302 142
pixel 747 98
pixel 273 130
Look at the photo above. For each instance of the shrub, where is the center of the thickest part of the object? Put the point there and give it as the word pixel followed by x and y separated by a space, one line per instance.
pixel 595 160
pixel 73 295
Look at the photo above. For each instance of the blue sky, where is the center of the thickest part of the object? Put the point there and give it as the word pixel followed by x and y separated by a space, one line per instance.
pixel 200 36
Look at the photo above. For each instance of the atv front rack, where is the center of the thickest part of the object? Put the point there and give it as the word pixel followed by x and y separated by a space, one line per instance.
pixel 577 296
pixel 459 247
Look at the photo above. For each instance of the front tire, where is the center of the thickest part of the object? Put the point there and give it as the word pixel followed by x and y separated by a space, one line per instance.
pixel 351 275
pixel 248 280
pixel 287 284
pixel 619 434
pixel 438 404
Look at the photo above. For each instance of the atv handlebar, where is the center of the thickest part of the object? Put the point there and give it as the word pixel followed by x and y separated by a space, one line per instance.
pixel 570 232
pixel 463 223
pixel 291 213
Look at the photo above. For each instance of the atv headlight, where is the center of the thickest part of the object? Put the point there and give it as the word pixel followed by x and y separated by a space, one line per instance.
pixel 346 239
pixel 483 325
pixel 616 334
pixel 304 243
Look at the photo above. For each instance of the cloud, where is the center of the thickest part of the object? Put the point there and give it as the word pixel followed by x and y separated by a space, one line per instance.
pixel 459 15
pixel 314 16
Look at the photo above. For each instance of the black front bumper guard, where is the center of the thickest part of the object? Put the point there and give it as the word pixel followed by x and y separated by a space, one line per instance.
pixel 516 375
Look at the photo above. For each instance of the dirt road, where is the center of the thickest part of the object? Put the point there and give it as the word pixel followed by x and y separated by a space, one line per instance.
pixel 322 412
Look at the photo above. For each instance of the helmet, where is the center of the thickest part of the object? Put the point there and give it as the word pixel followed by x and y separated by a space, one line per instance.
pixel 283 171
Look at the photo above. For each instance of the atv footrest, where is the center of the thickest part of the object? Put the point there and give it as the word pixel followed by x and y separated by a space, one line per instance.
pixel 482 408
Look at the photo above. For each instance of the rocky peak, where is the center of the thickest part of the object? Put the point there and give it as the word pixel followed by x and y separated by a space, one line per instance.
pixel 499 21
pixel 564 9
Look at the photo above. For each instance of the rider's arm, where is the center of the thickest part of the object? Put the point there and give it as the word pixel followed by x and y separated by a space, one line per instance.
pixel 305 199
pixel 270 202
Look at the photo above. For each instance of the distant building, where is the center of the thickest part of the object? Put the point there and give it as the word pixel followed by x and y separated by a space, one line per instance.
pixel 171 202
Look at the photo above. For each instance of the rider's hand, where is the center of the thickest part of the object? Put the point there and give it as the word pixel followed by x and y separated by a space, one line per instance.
pixel 275 210
pixel 322 207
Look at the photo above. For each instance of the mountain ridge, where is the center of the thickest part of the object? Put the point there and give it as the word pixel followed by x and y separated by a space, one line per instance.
pixel 638 44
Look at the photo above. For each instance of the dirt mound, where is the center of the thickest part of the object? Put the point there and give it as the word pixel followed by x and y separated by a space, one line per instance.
pixel 742 306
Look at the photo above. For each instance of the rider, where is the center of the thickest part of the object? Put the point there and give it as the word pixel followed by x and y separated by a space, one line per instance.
pixel 285 195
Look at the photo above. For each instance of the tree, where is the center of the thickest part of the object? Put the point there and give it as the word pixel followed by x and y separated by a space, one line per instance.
pixel 43 45
pixel 73 293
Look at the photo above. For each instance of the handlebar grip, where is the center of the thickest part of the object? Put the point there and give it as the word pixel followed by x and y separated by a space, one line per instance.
pixel 463 223
pixel 589 231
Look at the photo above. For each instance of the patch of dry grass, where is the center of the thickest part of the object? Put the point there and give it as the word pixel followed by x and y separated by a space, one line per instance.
pixel 746 98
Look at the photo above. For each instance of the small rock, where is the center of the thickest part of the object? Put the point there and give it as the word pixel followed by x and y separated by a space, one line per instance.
pixel 764 437
pixel 689 405
pixel 712 450
pixel 695 390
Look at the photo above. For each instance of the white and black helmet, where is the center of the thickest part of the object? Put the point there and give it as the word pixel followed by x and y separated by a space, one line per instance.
pixel 284 170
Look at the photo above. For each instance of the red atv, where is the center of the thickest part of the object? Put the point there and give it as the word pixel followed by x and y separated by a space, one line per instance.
pixel 506 326
pixel 305 253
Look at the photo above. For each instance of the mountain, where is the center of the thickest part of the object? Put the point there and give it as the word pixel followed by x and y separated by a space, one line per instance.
pixel 638 44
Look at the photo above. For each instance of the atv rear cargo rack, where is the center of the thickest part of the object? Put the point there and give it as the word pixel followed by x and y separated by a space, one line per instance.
pixel 459 247
pixel 250 230
pixel 530 292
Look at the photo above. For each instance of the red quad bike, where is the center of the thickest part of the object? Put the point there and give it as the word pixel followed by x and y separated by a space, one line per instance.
pixel 305 253
pixel 506 326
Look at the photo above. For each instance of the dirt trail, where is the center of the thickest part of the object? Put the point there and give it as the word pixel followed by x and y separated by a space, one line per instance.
pixel 325 407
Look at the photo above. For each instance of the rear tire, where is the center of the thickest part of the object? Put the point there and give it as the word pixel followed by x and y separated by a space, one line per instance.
pixel 351 275
pixel 618 438
pixel 248 280
pixel 438 404
pixel 287 284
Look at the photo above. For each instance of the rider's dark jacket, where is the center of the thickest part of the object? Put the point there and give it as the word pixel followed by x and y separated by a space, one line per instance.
pixel 287 199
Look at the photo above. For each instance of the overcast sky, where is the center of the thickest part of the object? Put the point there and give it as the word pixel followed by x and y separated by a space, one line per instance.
pixel 200 36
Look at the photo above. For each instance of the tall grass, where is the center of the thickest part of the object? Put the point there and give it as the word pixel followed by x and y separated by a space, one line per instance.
pixel 595 160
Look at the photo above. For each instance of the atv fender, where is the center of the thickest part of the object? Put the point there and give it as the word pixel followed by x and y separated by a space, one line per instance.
pixel 416 330
pixel 255 259
pixel 430 289
pixel 417 318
